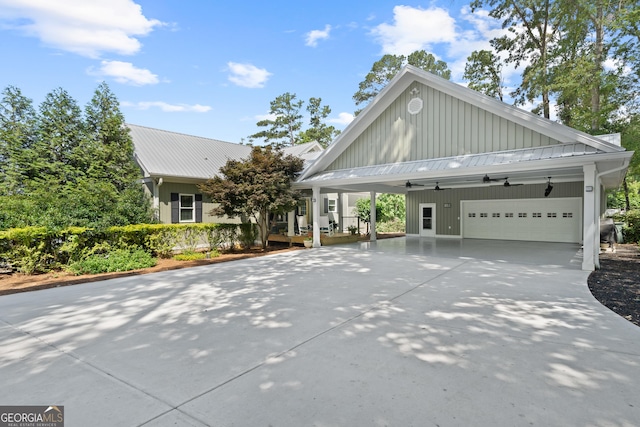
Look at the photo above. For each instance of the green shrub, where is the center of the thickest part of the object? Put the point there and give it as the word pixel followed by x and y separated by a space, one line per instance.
pixel 189 256
pixel 631 229
pixel 116 260
pixel 393 226
pixel 248 234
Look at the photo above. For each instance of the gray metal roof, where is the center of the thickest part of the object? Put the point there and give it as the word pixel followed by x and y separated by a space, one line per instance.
pixel 450 163
pixel 164 153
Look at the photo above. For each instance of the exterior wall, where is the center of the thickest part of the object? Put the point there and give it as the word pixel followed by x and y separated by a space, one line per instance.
pixel 445 127
pixel 164 210
pixel 448 219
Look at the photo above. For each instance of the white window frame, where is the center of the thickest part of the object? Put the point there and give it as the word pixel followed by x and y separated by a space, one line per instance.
pixel 192 208
pixel 333 202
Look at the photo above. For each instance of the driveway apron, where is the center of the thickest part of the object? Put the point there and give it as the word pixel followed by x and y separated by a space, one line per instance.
pixel 399 332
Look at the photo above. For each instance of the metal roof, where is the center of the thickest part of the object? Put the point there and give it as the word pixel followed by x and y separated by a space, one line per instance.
pixel 164 153
pixel 458 162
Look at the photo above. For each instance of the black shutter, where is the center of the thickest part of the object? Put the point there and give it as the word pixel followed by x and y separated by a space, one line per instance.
pixel 198 207
pixel 175 208
pixel 326 205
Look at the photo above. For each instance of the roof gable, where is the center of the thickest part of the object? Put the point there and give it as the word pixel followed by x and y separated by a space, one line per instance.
pixel 452 120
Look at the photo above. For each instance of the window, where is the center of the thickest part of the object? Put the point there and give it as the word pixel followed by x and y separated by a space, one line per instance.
pixel 472 215
pixel 508 215
pixel 537 215
pixel 495 215
pixel 522 215
pixel 302 207
pixel 333 205
pixel 484 215
pixel 567 215
pixel 187 208
pixel 551 215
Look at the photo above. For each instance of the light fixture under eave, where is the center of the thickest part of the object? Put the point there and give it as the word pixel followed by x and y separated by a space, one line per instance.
pixel 547 190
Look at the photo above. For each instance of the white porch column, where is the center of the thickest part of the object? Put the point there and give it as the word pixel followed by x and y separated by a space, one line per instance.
pixel 291 227
pixel 590 222
pixel 315 201
pixel 340 213
pixel 372 216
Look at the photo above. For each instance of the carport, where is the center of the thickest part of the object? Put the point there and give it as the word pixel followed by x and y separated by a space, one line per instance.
pixel 471 166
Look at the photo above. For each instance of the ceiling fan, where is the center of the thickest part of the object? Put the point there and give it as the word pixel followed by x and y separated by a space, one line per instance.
pixel 486 179
pixel 437 187
pixel 508 184
pixel 410 184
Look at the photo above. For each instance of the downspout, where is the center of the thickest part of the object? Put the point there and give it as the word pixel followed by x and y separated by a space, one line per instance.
pixel 156 197
pixel 596 256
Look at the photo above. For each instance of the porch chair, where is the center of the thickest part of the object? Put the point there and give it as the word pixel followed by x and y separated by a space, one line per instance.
pixel 303 228
pixel 325 226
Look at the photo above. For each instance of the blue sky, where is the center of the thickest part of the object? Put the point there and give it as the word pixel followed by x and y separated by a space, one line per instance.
pixel 211 68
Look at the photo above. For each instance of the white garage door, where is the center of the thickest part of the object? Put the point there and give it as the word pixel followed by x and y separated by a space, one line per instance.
pixel 544 220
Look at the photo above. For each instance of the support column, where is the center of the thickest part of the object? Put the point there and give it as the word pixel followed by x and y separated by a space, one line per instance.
pixel 291 226
pixel 315 201
pixel 340 213
pixel 590 222
pixel 372 216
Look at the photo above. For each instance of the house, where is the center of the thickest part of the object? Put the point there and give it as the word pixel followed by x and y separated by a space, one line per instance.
pixel 173 164
pixel 472 166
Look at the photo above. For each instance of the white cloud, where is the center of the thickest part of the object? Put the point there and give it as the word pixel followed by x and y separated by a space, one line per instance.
pixel 247 75
pixel 166 107
pixel 87 28
pixel 342 119
pixel 126 73
pixel 414 29
pixel 315 35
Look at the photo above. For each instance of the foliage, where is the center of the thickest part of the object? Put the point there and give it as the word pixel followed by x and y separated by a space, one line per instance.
pixel 631 227
pixel 617 200
pixel 318 131
pixel 388 66
pixel 285 128
pixel 389 208
pixel 60 168
pixel 483 71
pixel 116 260
pixel 392 226
pixel 189 256
pixel 255 187
pixel 248 234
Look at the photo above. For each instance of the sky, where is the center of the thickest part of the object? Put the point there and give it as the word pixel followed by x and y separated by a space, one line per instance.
pixel 211 68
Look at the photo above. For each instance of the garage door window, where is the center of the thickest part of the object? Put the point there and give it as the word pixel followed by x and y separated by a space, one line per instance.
pixel 567 215
pixel 522 215
pixel 551 215
pixel 495 215
pixel 472 214
pixel 537 215
pixel 508 215
pixel 483 215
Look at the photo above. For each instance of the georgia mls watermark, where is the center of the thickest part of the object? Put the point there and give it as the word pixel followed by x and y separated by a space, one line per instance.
pixel 32 416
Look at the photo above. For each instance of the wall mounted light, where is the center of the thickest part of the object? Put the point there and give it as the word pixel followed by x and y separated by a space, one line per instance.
pixel 547 190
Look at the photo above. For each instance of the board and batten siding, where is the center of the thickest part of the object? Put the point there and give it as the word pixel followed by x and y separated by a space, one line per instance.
pixel 448 219
pixel 445 127
pixel 172 187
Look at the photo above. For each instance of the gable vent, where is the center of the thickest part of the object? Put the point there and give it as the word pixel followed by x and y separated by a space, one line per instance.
pixel 414 106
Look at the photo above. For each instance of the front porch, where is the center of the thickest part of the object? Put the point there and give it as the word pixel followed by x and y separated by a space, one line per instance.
pixel 335 239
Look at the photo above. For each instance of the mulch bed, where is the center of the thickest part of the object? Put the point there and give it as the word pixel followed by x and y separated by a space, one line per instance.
pixel 617 283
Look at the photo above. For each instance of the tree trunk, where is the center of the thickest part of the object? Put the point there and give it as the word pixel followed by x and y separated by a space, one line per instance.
pixel 597 65
pixel 626 194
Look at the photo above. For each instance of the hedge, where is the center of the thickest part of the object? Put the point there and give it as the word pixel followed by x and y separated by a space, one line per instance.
pixel 40 249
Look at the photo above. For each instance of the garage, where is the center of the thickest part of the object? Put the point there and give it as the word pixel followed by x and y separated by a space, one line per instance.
pixel 543 220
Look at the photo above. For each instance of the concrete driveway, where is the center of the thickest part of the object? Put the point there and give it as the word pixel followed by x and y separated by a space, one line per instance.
pixel 402 332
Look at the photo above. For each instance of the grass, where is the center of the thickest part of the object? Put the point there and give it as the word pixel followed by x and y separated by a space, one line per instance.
pixel 116 260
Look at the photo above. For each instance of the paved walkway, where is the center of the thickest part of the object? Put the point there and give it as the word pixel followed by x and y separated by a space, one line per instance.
pixel 402 332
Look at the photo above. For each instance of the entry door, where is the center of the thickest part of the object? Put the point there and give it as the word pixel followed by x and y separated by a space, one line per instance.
pixel 427 219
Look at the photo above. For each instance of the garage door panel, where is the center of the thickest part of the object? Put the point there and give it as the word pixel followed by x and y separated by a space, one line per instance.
pixel 549 220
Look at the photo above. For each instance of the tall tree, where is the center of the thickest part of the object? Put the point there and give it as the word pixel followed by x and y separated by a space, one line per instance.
pixel 531 36
pixel 17 138
pixel 386 69
pixel 61 139
pixel 110 140
pixel 318 131
pixel 255 187
pixel 284 129
pixel 483 71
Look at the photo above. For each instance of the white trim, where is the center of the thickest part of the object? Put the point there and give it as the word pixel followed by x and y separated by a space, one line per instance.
pixel 449 236
pixel 180 208
pixel 432 230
